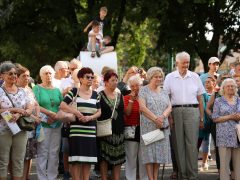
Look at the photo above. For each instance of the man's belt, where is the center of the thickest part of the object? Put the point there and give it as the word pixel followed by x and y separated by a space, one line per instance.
pixel 186 105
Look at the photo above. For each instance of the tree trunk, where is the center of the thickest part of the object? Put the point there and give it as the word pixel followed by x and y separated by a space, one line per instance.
pixel 119 22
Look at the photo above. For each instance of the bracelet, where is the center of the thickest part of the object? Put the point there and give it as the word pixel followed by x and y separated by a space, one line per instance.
pixel 130 101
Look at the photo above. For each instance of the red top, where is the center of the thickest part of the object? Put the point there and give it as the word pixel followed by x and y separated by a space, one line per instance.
pixel 134 118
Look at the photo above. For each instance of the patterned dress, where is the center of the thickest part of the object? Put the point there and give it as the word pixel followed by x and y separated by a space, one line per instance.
pixel 225 131
pixel 111 148
pixel 82 137
pixel 159 151
pixel 31 148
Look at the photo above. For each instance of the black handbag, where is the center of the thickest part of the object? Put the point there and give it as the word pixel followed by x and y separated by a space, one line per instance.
pixel 25 123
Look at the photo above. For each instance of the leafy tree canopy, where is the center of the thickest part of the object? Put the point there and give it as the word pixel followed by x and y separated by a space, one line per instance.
pixel 145 33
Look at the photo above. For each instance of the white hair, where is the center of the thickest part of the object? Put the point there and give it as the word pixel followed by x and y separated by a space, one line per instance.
pixel 60 64
pixel 182 55
pixel 135 79
pixel 221 91
pixel 152 71
pixel 76 62
pixel 46 68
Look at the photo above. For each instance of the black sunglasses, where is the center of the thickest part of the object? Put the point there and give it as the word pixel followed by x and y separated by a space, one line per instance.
pixel 89 77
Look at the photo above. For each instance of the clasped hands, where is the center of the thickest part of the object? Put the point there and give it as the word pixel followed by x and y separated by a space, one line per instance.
pixel 17 113
pixel 159 122
pixel 235 116
pixel 83 118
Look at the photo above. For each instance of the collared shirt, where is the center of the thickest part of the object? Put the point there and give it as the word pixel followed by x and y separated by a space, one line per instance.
pixel 183 90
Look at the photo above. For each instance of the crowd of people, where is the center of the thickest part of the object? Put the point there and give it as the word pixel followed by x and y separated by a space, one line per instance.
pixel 189 109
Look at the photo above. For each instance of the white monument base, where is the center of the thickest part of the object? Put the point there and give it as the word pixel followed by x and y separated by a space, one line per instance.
pixel 96 63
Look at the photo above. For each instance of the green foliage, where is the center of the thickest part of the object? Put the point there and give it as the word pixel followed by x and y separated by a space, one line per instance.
pixel 146 33
pixel 134 43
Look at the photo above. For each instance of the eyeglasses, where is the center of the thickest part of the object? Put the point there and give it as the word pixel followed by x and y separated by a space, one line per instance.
pixel 89 77
pixel 11 73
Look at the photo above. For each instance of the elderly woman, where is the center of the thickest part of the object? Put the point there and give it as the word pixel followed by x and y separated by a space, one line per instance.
pixel 82 138
pixel 132 126
pixel 226 114
pixel 23 76
pixel 112 147
pixel 13 146
pixel 155 107
pixel 49 99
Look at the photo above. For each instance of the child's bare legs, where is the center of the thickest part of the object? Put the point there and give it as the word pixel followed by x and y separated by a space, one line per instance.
pixel 93 46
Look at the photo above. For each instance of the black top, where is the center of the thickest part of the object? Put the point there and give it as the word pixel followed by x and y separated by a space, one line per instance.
pixel 107 106
pixel 102 22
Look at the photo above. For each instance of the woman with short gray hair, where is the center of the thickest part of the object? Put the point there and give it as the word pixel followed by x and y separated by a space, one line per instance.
pixel 13 100
pixel 132 131
pixel 155 108
pixel 226 115
pixel 49 99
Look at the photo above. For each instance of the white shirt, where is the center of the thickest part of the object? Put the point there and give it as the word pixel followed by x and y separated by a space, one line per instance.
pixel 66 83
pixel 183 90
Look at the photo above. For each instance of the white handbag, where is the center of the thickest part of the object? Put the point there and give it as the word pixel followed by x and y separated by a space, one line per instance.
pixel 129 132
pixel 152 136
pixel 104 127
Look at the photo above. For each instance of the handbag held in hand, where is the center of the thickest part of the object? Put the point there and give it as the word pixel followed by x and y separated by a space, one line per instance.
pixel 152 136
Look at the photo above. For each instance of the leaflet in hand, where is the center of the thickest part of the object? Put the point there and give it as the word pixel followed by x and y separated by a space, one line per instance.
pixel 7 116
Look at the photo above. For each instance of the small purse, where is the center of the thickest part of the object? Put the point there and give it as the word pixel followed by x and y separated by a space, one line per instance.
pixel 104 127
pixel 129 132
pixel 65 116
pixel 153 136
pixel 25 123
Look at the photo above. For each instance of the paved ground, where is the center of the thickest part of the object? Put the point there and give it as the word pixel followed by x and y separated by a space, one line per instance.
pixel 211 174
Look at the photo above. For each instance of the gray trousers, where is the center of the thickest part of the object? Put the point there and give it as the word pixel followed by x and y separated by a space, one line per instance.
pixel 186 128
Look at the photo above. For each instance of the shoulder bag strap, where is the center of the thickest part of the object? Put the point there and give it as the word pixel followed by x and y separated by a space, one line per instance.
pixel 108 103
pixel 8 96
pixel 114 106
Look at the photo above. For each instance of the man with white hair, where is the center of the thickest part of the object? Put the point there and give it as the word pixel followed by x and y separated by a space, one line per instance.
pixel 213 64
pixel 185 90
pixel 68 82
pixel 61 72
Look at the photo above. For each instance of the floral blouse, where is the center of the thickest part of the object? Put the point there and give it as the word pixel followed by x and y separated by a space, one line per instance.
pixel 226 131
pixel 20 100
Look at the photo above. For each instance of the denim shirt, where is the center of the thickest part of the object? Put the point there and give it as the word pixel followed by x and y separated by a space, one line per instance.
pixel 226 131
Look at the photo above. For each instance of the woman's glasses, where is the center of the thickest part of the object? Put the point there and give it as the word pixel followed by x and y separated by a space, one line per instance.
pixel 89 77
pixel 11 73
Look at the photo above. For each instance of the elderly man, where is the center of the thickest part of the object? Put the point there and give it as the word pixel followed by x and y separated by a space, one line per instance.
pixel 67 83
pixel 185 90
pixel 61 72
